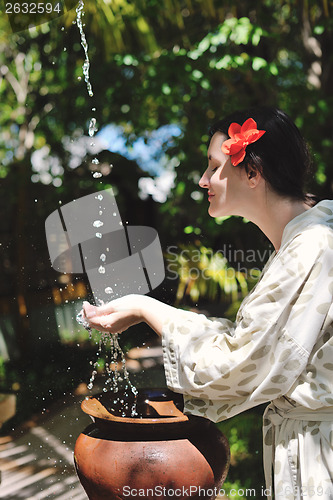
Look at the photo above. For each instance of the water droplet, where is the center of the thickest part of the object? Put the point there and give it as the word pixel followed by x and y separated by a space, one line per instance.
pixel 99 197
pixel 103 257
pixel 99 235
pixel 98 223
pixel 108 289
pixel 101 269
pixel 95 161
pixel 97 175
pixel 114 214
pixel 92 127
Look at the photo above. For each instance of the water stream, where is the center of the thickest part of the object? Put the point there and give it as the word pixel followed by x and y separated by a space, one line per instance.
pixel 116 372
pixel 86 64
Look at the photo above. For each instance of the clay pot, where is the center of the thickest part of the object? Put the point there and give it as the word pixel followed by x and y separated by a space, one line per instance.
pixel 161 453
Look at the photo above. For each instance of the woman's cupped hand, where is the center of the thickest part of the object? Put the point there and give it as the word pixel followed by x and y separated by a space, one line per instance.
pixel 115 316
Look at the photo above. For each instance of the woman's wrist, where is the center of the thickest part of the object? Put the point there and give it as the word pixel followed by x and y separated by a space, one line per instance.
pixel 146 308
pixel 154 312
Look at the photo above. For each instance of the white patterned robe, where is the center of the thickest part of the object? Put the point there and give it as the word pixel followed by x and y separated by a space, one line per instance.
pixel 279 350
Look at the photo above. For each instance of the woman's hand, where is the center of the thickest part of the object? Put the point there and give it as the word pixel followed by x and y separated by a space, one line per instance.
pixel 115 316
pixel 119 314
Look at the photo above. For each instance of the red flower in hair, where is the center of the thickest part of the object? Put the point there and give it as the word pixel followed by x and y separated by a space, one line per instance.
pixel 241 136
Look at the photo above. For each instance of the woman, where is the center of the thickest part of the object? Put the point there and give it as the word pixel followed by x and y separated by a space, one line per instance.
pixel 280 348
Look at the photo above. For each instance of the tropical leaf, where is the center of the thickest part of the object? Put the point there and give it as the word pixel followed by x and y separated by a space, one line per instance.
pixel 203 274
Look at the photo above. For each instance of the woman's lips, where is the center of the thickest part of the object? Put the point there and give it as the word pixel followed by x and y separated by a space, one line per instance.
pixel 210 196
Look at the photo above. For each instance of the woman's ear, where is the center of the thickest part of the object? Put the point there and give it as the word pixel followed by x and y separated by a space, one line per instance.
pixel 253 176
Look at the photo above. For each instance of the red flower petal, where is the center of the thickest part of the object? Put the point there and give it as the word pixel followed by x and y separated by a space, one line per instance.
pixel 238 157
pixel 226 146
pixel 232 146
pixel 251 135
pixel 234 129
pixel 261 132
pixel 248 125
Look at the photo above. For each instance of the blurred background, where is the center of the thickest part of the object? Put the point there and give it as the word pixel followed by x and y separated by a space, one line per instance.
pixel 161 72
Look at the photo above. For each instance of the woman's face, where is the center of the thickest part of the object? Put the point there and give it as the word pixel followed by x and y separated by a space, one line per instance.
pixel 227 185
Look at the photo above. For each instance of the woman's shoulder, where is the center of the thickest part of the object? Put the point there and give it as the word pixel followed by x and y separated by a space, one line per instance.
pixel 313 227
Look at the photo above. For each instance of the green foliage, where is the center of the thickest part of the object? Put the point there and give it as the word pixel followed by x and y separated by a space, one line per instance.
pixel 244 433
pixel 205 274
pixel 2 370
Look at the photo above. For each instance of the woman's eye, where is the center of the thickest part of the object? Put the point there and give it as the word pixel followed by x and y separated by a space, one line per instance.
pixel 214 169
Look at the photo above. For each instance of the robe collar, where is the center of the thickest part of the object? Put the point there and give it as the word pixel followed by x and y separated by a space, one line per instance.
pixel 320 214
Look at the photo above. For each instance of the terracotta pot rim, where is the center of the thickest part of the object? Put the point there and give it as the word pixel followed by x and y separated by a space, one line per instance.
pixel 96 409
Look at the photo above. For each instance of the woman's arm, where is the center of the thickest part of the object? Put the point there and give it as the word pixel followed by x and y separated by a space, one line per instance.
pixel 119 314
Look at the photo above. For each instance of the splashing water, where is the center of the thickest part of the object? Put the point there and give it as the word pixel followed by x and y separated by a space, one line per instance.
pixel 86 64
pixel 98 223
pixel 115 367
pixel 117 374
pixel 92 129
pixel 81 319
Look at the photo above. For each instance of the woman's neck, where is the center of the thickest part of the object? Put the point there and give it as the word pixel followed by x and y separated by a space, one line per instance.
pixel 274 214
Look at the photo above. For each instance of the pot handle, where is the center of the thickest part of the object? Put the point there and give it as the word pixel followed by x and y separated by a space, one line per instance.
pixel 167 409
pixel 95 409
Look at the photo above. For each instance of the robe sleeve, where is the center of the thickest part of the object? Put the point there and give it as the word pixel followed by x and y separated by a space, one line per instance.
pixel 223 368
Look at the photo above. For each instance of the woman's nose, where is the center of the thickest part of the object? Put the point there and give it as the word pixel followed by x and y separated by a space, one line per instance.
pixel 204 181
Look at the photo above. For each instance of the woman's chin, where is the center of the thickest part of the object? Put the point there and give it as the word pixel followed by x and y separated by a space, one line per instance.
pixel 217 213
pixel 213 212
